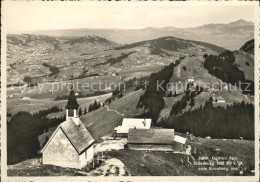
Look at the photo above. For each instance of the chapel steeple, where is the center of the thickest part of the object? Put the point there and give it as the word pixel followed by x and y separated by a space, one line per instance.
pixel 72 105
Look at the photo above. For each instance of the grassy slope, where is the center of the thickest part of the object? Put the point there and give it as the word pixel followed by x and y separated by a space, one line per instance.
pixel 127 104
pixel 35 105
pixel 241 60
pixel 102 122
pixel 170 164
pixel 196 70
pixel 169 102
pixel 242 149
pixel 144 163
pixel 33 167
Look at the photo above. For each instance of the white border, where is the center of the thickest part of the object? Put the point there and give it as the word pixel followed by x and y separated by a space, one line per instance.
pixel 131 178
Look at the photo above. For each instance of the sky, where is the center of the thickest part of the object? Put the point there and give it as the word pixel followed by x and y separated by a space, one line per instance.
pixel 33 16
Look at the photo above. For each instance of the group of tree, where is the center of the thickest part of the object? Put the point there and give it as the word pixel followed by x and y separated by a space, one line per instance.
pixel 152 100
pixel 52 69
pixel 115 60
pixel 224 67
pixel 187 99
pixel 94 106
pixel 134 84
pixel 81 95
pixel 27 79
pixel 23 131
pixel 82 112
pixel 171 94
pixel 234 121
pixel 117 93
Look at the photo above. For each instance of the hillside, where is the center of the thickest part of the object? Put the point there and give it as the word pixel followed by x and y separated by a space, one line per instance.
pixel 226 68
pixel 245 59
pixel 20 46
pixel 144 163
pixel 171 44
pixel 92 60
pixel 128 61
pixel 249 47
pixel 92 56
pixel 230 36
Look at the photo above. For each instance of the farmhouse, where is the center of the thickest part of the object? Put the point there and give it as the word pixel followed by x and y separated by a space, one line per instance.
pixel 155 139
pixel 221 100
pixel 135 123
pixel 70 145
pixel 114 74
pixel 25 98
pixel 190 80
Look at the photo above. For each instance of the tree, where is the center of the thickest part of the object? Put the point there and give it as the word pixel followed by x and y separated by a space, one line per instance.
pixel 120 95
pixel 80 112
pixel 192 102
pixel 197 88
pixel 175 94
pixel 23 131
pixel 205 56
pixel 45 141
pixel 234 121
pixel 211 100
pixel 170 94
pixel 96 105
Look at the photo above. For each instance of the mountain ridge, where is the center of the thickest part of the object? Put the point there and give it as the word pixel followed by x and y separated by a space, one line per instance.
pixel 230 36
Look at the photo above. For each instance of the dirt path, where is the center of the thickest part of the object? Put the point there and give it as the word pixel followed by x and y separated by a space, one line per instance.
pixel 111 167
pixel 113 110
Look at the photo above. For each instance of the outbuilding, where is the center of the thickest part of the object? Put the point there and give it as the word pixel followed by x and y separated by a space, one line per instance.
pixel 155 139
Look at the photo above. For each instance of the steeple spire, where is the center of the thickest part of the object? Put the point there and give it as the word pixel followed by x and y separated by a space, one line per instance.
pixel 72 105
pixel 72 101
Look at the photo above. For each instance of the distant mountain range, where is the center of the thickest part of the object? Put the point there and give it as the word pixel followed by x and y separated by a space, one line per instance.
pixel 230 36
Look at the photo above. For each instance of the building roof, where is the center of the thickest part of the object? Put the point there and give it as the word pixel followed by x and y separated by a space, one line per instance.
pixel 77 134
pixel 221 98
pixel 72 101
pixel 179 139
pixel 152 136
pixel 139 123
pixel 122 129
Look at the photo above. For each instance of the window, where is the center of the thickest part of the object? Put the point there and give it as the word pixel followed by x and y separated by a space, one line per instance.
pixel 71 112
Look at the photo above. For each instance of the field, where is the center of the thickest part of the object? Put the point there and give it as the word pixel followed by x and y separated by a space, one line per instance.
pixel 34 105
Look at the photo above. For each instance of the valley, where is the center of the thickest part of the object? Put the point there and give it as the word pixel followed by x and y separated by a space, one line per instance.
pixel 42 68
